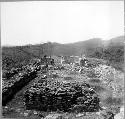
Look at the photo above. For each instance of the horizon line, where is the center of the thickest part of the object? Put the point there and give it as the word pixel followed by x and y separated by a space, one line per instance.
pixel 8 45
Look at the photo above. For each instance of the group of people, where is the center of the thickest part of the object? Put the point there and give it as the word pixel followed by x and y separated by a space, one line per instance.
pixel 49 61
pixel 82 60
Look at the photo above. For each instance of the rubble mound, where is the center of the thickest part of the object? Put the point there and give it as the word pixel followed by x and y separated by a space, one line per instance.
pixel 53 95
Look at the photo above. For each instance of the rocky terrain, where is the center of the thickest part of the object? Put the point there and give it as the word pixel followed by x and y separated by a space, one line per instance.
pixel 63 91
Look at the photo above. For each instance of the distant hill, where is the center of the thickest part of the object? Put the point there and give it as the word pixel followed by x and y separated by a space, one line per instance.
pixel 115 41
pixel 92 48
pixel 77 48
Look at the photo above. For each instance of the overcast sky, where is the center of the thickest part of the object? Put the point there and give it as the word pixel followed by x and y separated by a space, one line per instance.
pixel 63 21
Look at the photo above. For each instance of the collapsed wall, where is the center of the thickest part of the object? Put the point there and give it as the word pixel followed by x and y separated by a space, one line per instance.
pixel 49 95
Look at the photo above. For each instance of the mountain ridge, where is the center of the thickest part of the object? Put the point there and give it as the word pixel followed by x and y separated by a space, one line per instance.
pixel 95 47
pixel 121 38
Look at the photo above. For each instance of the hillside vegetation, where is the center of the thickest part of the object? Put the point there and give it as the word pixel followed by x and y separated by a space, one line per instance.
pixel 112 51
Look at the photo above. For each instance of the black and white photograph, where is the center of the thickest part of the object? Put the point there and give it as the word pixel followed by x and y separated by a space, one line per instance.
pixel 62 59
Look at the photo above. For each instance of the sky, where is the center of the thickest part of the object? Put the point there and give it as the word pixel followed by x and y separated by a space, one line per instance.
pixel 31 22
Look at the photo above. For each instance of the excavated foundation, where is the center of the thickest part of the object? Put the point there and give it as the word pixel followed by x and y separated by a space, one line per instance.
pixel 54 95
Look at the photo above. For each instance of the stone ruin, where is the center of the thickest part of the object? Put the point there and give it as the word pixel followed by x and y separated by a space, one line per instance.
pixel 47 95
